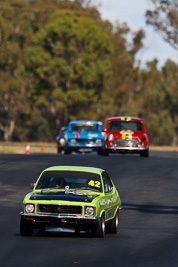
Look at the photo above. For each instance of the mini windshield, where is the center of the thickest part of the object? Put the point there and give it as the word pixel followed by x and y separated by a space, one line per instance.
pixel 126 125
pixel 73 179
pixel 84 128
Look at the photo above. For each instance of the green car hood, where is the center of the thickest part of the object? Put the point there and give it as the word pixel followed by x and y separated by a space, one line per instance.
pixel 63 197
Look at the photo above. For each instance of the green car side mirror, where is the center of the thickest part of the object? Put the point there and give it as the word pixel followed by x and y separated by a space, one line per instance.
pixel 32 185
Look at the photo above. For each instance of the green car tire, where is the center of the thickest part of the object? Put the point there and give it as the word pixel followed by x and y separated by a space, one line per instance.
pixel 114 224
pixel 101 227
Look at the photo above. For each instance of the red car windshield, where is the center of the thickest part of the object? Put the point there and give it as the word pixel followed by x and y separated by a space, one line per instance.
pixel 125 125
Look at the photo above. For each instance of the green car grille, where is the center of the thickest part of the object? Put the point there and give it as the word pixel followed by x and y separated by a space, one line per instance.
pixel 59 209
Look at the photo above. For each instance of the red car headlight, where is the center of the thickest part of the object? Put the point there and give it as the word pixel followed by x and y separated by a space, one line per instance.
pixel 111 137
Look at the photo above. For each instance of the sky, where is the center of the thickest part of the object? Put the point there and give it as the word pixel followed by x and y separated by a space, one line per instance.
pixel 133 12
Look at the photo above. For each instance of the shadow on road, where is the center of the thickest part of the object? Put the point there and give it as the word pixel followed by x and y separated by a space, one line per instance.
pixel 151 208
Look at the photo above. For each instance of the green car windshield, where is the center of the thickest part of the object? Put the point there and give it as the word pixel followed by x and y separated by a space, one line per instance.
pixel 73 179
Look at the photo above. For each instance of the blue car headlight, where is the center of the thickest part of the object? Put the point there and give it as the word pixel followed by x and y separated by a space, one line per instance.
pixel 62 142
pixel 73 141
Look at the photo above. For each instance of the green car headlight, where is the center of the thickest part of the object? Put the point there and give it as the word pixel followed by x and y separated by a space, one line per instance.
pixel 90 211
pixel 29 208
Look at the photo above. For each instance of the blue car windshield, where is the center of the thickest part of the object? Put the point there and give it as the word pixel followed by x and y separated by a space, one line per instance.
pixel 84 128
pixel 74 179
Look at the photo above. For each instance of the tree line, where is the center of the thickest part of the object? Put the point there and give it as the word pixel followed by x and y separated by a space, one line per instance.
pixel 60 61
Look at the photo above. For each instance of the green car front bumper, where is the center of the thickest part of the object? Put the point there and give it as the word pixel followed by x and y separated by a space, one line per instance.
pixel 75 222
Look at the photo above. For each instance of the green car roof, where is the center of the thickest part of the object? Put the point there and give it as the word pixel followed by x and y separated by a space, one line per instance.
pixel 74 168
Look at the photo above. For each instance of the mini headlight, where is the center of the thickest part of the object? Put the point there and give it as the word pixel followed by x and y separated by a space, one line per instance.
pixel 62 142
pixel 111 137
pixel 98 141
pixel 73 141
pixel 29 208
pixel 90 211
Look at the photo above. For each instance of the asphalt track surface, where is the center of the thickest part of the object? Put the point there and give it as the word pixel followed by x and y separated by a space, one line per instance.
pixel 148 230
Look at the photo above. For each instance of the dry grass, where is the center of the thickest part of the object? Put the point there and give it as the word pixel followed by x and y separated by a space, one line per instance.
pixel 20 147
pixel 163 148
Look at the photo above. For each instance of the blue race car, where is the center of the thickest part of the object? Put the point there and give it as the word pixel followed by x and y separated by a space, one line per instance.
pixel 84 136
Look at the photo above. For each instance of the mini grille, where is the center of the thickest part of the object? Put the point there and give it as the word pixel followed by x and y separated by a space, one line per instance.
pixel 57 209
pixel 84 141
pixel 126 143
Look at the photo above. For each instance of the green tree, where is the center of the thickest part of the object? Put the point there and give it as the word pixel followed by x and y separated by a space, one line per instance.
pixel 60 61
pixel 164 18
pixel 69 63
pixel 19 20
pixel 14 32
pixel 123 84
pixel 158 101
pixel 169 86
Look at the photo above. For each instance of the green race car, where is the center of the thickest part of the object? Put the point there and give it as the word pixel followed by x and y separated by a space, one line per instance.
pixel 70 197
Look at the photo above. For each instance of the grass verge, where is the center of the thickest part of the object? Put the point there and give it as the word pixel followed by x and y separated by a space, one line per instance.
pixel 42 147
pixel 20 147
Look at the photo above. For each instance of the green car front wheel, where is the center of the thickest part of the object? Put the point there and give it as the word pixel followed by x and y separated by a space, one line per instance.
pixel 101 227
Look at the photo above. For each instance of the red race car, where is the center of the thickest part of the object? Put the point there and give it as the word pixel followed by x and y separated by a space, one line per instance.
pixel 125 135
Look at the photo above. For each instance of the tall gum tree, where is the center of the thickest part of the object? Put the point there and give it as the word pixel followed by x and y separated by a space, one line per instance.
pixel 164 19
pixel 70 60
pixel 14 33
